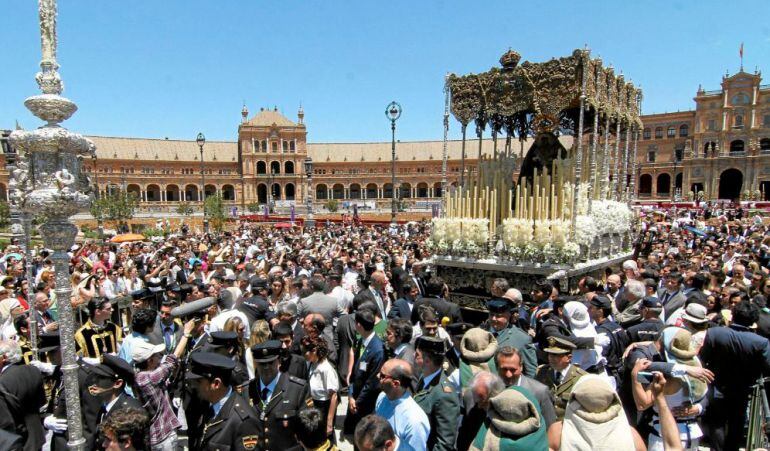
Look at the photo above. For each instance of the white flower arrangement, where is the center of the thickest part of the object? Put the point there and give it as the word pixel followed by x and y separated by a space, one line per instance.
pixel 543 232
pixel 559 232
pixel 531 252
pixel 475 231
pixel 516 232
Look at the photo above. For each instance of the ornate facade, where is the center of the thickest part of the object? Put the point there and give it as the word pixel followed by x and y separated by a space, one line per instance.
pixel 721 148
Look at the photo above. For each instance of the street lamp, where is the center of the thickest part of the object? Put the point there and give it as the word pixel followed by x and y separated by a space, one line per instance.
pixel 270 181
pixel 393 112
pixel 309 221
pixel 201 140
pixel 99 224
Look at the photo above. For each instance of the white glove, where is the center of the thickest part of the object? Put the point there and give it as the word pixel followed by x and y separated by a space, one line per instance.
pixel 55 424
pixel 176 402
pixel 602 340
pixel 44 367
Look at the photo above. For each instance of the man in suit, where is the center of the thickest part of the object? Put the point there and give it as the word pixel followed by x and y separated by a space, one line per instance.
pixel 364 387
pixel 436 289
pixel 166 330
pixel 397 340
pixel 402 307
pixel 398 276
pixel 230 422
pixel 560 375
pixel 277 397
pixel 21 389
pixel 107 383
pixel 43 316
pixel 508 361
pixel 318 302
pixel 671 296
pixel 436 394
pixel 291 363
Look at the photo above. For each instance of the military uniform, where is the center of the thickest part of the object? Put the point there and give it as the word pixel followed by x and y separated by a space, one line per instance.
pixel 561 389
pixel 278 414
pixel 439 400
pixel 235 426
pixel 94 341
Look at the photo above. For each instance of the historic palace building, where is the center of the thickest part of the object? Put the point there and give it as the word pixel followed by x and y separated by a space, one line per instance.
pixel 720 149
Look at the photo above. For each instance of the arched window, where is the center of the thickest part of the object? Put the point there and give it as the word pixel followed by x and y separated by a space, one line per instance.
pixel 658 132
pixel 671 133
pixel 338 191
pixel 736 146
pixel 275 167
pixel 261 167
pixel 664 184
pixel 684 130
pixel 371 191
pixel 290 191
pixel 228 192
pixel 764 144
pixel 321 192
pixel 355 191
pixel 739 120
pixel 288 167
pixel 647 134
pixel 645 184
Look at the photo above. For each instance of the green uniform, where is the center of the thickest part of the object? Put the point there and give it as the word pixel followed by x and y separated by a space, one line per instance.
pixel 520 340
pixel 561 392
pixel 441 403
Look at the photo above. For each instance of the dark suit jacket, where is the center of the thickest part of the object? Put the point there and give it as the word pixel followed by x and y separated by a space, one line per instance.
pixel 737 356
pixel 442 307
pixel 346 340
pixel 294 365
pixel 400 309
pixel 673 304
pixel 236 426
pixel 397 279
pixel 24 395
pixel 90 406
pixel 275 424
pixel 124 402
pixel 364 383
pixel 156 334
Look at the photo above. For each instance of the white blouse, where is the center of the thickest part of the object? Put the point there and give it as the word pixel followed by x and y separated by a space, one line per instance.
pixel 323 378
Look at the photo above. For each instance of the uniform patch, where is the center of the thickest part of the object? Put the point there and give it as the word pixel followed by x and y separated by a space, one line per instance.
pixel 448 389
pixel 250 441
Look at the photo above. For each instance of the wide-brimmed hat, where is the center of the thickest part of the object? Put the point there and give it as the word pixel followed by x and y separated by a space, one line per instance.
pixel 594 400
pixel 695 313
pixel 478 345
pixel 577 313
pixel 141 351
pixel 679 348
pixel 513 414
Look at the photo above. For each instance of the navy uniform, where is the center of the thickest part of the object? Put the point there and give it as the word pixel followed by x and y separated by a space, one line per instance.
pixel 560 386
pixel 95 341
pixel 89 408
pixel 230 423
pixel 112 369
pixel 439 399
pixel 278 409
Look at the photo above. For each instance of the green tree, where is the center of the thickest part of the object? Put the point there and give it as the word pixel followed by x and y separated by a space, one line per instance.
pixel 253 207
pixel 117 206
pixel 5 214
pixel 184 209
pixel 215 211
pixel 332 205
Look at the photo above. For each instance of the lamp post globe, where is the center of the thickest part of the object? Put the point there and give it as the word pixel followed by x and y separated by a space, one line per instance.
pixel 393 112
pixel 309 221
pixel 201 140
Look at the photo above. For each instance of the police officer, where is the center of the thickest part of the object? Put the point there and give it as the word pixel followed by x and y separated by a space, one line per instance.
pixel 559 375
pixel 230 422
pixel 277 396
pixel 436 394
pixel 108 381
pixel 226 343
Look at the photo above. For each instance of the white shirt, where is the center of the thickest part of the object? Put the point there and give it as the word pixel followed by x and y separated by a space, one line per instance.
pixel 323 379
pixel 218 323
pixel 344 297
pixel 270 388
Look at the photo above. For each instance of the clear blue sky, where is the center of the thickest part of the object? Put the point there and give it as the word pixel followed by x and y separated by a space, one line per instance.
pixel 172 68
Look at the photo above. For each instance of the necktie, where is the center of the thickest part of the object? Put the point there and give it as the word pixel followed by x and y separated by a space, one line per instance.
pixel 167 338
pixel 265 394
pixel 557 377
pixel 360 346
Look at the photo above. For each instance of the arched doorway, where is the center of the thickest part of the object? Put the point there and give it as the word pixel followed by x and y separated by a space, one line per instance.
pixel 422 190
pixel 191 193
pixel 696 188
pixel 437 190
pixel 387 191
pixel 172 193
pixel 371 191
pixel 262 193
pixel 228 192
pixel 678 181
pixel 406 191
pixel 288 167
pixel 275 167
pixel 136 191
pixel 321 191
pixel 276 191
pixel 730 184
pixel 355 191
pixel 153 193
pixel 664 184
pixel 210 190
pixel 338 191
pixel 289 189
pixel 645 185
pixel 261 167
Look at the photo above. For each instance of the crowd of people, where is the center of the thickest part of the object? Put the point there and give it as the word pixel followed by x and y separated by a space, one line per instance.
pixel 252 339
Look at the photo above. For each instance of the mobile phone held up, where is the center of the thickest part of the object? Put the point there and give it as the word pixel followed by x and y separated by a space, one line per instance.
pixel 644 377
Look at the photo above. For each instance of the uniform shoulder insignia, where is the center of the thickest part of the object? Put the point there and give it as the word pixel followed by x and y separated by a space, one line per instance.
pixel 250 441
pixel 448 389
pixel 297 380
pixel 240 408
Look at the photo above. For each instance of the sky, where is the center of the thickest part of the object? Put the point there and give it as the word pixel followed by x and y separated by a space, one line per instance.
pixel 173 68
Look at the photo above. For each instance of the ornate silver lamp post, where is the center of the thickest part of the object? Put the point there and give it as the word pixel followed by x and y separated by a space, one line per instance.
pixel 201 140
pixel 48 180
pixel 393 112
pixel 309 221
